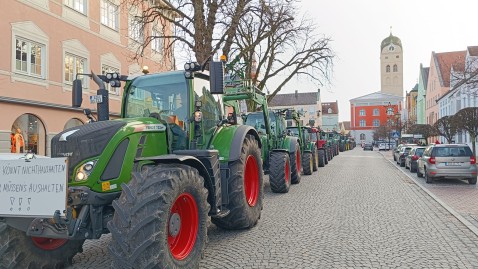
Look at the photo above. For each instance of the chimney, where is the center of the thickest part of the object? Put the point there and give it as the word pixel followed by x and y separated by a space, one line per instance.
pixel 296 94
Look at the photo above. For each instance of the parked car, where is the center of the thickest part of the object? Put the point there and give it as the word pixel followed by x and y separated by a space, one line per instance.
pixel 412 159
pixel 402 154
pixel 447 161
pixel 384 146
pixel 368 146
pixel 397 150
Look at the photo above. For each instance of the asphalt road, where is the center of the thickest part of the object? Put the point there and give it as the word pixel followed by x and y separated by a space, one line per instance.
pixel 360 211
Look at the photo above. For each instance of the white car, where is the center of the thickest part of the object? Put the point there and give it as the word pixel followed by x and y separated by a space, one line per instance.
pixel 383 146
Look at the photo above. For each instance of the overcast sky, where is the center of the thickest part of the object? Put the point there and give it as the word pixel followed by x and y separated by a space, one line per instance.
pixel 358 27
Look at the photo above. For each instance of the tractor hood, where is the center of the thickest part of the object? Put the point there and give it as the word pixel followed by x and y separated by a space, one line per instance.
pixel 83 142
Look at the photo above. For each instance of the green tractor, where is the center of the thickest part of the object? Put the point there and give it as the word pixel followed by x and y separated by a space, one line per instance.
pixel 151 178
pixel 280 153
pixel 308 149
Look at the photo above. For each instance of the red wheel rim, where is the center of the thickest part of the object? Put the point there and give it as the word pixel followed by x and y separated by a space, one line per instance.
pixel 251 181
pixel 183 226
pixel 297 161
pixel 48 243
pixel 287 172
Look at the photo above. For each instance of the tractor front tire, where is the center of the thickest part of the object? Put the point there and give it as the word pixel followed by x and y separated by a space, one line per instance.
pixel 321 158
pixel 279 175
pixel 160 219
pixel 246 188
pixel 315 159
pixel 307 163
pixel 296 162
pixel 17 250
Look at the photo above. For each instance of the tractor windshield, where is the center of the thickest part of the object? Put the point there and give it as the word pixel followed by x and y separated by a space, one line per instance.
pixel 256 120
pixel 158 95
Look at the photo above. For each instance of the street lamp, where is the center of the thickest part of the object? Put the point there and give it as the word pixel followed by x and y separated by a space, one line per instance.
pixel 398 126
pixel 389 109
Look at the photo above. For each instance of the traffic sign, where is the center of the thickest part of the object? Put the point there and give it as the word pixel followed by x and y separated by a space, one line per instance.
pixel 395 135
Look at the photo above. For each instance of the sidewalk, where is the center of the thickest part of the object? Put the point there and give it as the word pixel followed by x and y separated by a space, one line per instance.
pixel 459 196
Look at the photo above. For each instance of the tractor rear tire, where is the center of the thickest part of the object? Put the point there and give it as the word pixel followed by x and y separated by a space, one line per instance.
pixel 17 250
pixel 246 189
pixel 160 219
pixel 279 173
pixel 315 159
pixel 307 163
pixel 321 158
pixel 296 162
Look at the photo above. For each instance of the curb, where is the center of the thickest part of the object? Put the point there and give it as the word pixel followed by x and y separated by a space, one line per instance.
pixel 452 211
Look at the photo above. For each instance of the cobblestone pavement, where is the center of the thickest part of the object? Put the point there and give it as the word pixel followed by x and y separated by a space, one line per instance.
pixel 359 211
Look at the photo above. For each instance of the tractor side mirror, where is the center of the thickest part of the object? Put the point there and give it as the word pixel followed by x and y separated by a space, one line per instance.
pixel 216 77
pixel 77 93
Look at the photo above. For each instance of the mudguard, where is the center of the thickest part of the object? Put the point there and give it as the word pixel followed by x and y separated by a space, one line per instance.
pixel 290 143
pixel 228 140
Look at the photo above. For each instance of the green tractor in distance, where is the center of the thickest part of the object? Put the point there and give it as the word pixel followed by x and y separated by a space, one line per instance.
pixel 308 148
pixel 151 178
pixel 279 151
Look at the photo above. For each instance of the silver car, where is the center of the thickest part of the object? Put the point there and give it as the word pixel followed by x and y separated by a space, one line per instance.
pixel 447 161
pixel 411 160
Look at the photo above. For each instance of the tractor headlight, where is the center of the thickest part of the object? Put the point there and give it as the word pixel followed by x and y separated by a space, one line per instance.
pixel 85 170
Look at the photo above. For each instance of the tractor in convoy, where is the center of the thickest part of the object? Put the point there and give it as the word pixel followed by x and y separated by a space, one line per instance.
pixel 281 154
pixel 308 148
pixel 151 178
pixel 321 145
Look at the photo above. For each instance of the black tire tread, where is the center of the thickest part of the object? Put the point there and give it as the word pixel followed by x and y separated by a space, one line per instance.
pixel 277 175
pixel 241 215
pixel 295 171
pixel 18 251
pixel 306 158
pixel 139 226
pixel 321 158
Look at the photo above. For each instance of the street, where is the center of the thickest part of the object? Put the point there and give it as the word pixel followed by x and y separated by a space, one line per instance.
pixel 359 211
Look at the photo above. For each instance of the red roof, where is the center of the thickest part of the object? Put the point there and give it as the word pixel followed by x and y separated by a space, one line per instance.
pixel 445 60
pixel 473 50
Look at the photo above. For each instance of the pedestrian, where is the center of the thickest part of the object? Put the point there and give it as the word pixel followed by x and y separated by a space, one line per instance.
pixel 19 141
pixel 13 148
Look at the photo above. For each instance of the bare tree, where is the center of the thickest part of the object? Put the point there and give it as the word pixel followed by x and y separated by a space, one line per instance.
pixel 447 127
pixel 274 44
pixel 465 75
pixel 200 27
pixel 381 132
pixel 426 130
pixel 467 119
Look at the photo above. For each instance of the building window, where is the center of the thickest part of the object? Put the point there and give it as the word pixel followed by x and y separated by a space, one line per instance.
pixel 157 42
pixel 109 14
pixel 109 69
pixel 397 57
pixel 329 110
pixel 395 68
pixel 362 136
pixel 362 112
pixel 29 57
pixel 78 5
pixel 135 30
pixel 387 69
pixel 74 65
pixel 376 112
pixel 376 123
pixel 362 123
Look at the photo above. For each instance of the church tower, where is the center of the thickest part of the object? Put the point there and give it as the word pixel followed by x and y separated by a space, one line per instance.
pixel 391 65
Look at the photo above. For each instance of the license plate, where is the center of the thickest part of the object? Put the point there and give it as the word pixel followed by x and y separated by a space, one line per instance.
pixel 452 164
